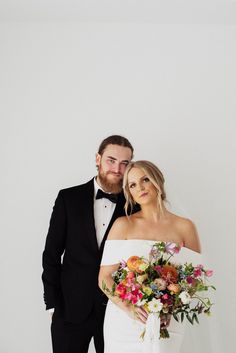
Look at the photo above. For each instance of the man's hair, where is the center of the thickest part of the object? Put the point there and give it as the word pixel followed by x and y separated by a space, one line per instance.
pixel 115 140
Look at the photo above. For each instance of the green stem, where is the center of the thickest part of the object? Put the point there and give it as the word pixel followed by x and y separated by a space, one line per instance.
pixel 201 300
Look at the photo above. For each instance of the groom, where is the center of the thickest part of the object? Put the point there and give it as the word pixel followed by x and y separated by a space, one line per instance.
pixel 81 219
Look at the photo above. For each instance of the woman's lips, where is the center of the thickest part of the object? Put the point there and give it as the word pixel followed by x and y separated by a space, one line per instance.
pixel 143 194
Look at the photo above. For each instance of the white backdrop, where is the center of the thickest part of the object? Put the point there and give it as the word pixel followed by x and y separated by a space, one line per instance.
pixel 64 87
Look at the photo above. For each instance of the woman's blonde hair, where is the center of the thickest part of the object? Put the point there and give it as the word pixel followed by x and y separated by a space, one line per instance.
pixel 155 176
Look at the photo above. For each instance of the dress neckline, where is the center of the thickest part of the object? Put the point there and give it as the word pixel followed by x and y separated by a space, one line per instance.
pixel 153 241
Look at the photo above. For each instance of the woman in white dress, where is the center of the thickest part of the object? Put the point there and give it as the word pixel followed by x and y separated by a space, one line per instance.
pixel 134 235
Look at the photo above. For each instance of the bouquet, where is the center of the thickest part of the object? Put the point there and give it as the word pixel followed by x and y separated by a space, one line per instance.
pixel 163 287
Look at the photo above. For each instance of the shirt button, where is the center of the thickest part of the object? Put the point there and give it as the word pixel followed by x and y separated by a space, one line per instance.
pixel 103 224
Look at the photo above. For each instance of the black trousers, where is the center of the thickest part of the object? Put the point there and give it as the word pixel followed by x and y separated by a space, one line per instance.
pixel 75 338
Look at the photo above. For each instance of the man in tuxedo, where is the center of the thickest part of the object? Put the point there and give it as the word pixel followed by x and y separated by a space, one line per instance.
pixel 81 219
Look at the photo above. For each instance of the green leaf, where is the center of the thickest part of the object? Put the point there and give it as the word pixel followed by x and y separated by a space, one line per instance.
pixel 189 319
pixel 176 317
pixel 196 318
pixel 113 288
pixel 182 316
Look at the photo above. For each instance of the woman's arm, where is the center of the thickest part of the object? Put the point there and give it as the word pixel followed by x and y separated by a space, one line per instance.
pixel 190 235
pixel 105 277
pixel 118 232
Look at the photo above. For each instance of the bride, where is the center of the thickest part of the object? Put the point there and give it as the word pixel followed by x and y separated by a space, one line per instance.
pixel 143 184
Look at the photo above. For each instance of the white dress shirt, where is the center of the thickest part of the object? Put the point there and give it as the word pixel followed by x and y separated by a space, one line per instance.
pixel 103 211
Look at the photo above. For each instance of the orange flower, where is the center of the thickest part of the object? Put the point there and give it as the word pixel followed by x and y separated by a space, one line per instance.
pixel 174 287
pixel 136 264
pixel 131 263
pixel 169 273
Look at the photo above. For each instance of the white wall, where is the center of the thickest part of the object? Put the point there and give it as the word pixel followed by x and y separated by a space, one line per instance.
pixel 64 87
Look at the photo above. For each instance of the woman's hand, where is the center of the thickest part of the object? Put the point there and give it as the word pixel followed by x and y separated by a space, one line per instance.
pixel 137 313
pixel 140 314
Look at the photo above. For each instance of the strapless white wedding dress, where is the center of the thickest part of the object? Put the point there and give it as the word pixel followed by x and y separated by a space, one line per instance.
pixel 121 333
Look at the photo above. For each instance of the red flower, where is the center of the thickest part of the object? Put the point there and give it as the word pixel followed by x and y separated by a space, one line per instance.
pixel 169 273
pixel 190 279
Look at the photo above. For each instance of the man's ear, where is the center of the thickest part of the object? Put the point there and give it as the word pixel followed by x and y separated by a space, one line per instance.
pixel 98 159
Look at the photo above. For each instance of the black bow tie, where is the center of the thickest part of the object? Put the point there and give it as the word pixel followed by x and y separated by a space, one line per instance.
pixel 101 194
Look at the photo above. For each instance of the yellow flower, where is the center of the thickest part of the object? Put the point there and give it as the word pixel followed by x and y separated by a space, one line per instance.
pixel 147 290
pixel 146 307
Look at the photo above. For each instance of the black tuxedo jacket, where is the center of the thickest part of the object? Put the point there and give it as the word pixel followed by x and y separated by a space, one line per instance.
pixel 71 284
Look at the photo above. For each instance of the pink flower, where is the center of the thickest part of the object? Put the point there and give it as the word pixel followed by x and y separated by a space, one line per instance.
pixel 129 282
pixel 130 275
pixel 121 290
pixel 200 266
pixel 198 271
pixel 157 268
pixel 165 296
pixel 128 296
pixel 209 273
pixel 172 248
pixel 122 296
pixel 134 296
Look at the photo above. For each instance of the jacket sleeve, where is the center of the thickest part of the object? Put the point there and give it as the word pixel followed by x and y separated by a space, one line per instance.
pixel 54 248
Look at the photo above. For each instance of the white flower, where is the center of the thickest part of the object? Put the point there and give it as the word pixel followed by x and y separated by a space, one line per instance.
pixel 155 305
pixel 142 278
pixel 141 302
pixel 185 297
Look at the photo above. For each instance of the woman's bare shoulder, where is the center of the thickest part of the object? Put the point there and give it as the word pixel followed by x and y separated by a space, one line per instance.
pixel 183 223
pixel 119 229
pixel 188 231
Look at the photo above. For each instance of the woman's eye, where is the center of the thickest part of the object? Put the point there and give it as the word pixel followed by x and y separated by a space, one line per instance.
pixel 146 179
pixel 132 186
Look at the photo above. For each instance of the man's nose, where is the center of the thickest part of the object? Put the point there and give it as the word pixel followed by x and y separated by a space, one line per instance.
pixel 116 168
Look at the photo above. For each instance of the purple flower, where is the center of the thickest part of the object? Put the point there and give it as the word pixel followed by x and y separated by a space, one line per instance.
pixel 154 253
pixel 172 248
pixel 123 264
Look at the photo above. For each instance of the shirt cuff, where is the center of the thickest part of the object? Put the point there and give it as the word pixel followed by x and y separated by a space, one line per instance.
pixel 51 310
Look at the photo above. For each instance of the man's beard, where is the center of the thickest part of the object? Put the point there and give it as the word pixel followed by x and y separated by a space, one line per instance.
pixel 115 187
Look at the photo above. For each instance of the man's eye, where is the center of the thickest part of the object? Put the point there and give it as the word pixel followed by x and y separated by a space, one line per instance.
pixel 125 163
pixel 111 161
